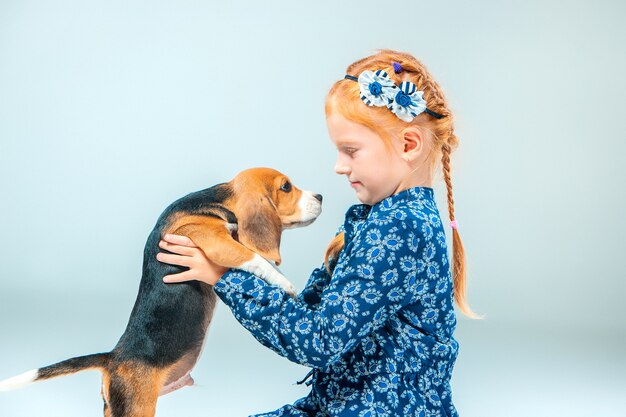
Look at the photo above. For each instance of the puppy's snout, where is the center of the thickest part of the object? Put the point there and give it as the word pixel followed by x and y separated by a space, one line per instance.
pixel 310 207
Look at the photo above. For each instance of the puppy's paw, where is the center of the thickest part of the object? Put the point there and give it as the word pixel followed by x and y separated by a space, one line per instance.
pixel 290 290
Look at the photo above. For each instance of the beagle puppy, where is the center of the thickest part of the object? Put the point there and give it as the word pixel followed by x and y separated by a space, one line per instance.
pixel 238 225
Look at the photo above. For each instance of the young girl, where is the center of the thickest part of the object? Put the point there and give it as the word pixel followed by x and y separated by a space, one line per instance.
pixel 378 328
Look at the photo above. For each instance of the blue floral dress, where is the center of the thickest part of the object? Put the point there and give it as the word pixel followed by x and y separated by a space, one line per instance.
pixel 378 333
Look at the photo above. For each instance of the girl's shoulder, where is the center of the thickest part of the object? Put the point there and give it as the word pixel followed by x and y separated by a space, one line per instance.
pixel 409 208
pixel 412 211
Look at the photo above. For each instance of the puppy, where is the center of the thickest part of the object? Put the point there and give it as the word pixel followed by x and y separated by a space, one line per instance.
pixel 238 225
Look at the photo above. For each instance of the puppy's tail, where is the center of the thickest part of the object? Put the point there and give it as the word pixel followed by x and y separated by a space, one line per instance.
pixel 69 366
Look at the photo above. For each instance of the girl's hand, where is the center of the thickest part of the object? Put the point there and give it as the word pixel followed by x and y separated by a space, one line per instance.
pixel 189 255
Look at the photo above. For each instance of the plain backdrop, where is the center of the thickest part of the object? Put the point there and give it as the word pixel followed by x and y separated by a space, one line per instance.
pixel 110 110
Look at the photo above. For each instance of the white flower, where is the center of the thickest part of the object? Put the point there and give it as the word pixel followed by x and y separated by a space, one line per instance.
pixel 377 89
pixel 407 102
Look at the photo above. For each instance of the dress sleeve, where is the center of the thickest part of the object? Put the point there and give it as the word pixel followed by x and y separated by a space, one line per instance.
pixel 374 279
pixel 311 294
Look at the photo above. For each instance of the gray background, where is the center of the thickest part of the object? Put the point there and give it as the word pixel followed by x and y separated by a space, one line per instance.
pixel 111 110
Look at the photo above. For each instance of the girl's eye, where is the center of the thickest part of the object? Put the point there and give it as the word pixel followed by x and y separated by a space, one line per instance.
pixel 349 151
pixel 286 187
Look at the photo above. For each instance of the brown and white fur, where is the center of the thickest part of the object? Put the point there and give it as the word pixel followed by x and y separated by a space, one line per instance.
pixel 238 225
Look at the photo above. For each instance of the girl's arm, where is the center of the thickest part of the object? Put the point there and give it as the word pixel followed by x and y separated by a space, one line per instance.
pixel 201 268
pixel 319 279
pixel 380 273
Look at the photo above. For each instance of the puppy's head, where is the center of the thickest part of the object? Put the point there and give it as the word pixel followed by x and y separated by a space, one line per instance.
pixel 266 203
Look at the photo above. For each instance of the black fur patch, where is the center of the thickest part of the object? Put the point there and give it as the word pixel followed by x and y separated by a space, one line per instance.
pixel 167 319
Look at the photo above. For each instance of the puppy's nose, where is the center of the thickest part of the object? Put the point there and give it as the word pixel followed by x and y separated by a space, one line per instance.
pixel 318 196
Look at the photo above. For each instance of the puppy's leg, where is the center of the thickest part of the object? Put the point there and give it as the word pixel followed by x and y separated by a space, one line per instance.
pixel 246 260
pixel 262 268
pixel 215 240
pixel 132 390
pixel 106 382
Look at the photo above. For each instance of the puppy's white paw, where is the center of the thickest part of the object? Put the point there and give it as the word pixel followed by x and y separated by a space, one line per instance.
pixel 290 290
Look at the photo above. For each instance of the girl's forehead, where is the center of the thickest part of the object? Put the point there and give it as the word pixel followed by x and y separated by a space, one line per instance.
pixel 343 131
pixel 348 141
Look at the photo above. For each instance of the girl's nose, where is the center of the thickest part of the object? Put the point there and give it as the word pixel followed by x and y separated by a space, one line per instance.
pixel 341 168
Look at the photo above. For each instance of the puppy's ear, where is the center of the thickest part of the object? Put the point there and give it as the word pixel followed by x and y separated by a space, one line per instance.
pixel 332 252
pixel 259 227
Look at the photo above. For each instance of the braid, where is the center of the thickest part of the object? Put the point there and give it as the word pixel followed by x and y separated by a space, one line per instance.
pixel 458 252
pixel 445 161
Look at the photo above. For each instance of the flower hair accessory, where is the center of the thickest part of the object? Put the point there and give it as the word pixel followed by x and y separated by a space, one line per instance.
pixel 378 90
pixel 408 102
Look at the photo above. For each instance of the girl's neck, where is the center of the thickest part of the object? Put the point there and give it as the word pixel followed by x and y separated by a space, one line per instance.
pixel 421 177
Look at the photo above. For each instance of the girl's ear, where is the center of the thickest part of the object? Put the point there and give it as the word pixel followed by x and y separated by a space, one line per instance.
pixel 412 142
pixel 259 226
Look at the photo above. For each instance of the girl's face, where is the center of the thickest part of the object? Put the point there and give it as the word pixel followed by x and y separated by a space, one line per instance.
pixel 373 170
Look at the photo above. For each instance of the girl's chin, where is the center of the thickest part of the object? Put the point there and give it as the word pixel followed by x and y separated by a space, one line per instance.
pixel 363 198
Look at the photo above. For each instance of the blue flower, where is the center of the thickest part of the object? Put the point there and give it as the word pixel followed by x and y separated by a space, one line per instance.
pixel 440 349
pixel 433 397
pixel 434 219
pixel 430 315
pixel 351 307
pixel 408 102
pixel 450 318
pixel 371 295
pixel 442 285
pixel 303 326
pixel 441 240
pixel 283 325
pixel 373 237
pixel 335 345
pixel 407 263
pixel 369 346
pixel 365 271
pixel 392 399
pixel 413 241
pixel 389 277
pixel 428 300
pixel 351 289
pixel 339 323
pixel 251 306
pixel 395 295
pixel 336 406
pixel 377 89
pixel 375 254
pixel 427 230
pixel 432 270
pixel 422 287
pixel 317 343
pixel 381 384
pixel 392 241
pixel 333 298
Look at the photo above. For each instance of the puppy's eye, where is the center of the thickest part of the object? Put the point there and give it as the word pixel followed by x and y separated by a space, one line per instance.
pixel 286 187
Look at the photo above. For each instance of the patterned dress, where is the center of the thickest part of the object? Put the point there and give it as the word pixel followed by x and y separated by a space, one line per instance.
pixel 378 333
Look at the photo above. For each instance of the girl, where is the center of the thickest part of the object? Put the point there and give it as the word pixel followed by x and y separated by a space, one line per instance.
pixel 376 320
